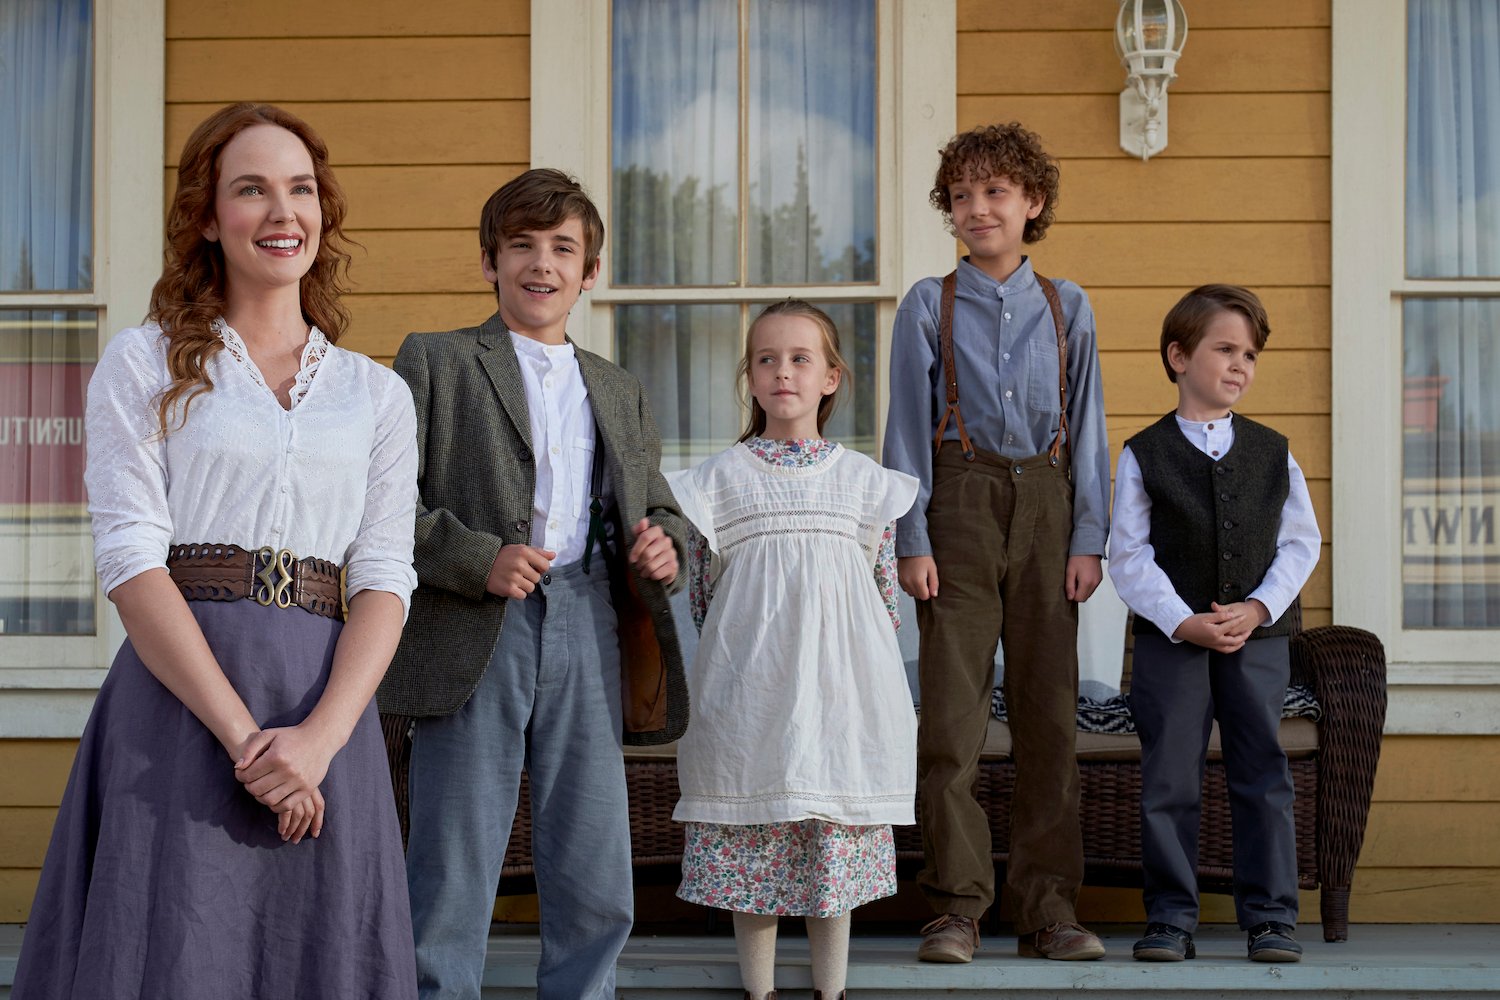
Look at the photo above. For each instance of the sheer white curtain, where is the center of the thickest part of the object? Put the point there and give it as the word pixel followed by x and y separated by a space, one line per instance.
pixel 728 187
pixel 1451 409
pixel 47 150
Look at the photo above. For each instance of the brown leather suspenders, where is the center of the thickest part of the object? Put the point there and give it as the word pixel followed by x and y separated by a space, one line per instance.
pixel 950 368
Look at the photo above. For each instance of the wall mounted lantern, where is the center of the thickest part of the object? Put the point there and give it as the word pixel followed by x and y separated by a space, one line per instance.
pixel 1149 35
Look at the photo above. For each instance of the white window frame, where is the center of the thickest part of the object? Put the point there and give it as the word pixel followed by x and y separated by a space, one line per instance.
pixel 1441 681
pixel 916 44
pixel 48 683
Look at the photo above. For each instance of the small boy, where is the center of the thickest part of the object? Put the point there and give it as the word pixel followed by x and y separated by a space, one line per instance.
pixel 1003 542
pixel 1214 536
pixel 510 658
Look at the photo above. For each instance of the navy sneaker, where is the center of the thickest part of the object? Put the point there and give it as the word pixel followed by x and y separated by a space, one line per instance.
pixel 1164 943
pixel 1273 942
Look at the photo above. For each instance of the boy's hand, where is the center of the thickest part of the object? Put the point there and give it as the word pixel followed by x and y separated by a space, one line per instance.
pixel 1244 616
pixel 517 569
pixel 1083 576
pixel 918 576
pixel 653 555
pixel 1211 630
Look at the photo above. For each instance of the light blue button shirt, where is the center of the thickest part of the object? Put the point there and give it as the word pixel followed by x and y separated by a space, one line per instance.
pixel 1006 350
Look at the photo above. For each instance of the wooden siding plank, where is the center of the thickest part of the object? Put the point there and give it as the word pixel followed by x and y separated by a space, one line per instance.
pixel 24 833
pixel 396 132
pixel 494 67
pixel 1130 318
pixel 1246 61
pixel 34 772
pixel 342 18
pixel 1425 895
pixel 428 261
pixel 1432 835
pixel 17 890
pixel 422 197
pixel 1439 769
pixel 1222 125
pixel 1179 253
pixel 1125 189
pixel 1074 15
pixel 379 323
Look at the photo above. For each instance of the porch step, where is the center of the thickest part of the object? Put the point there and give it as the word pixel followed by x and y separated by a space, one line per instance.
pixel 1447 962
pixel 1391 961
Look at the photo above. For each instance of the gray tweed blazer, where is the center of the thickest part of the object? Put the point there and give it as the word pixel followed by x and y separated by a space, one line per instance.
pixel 477 479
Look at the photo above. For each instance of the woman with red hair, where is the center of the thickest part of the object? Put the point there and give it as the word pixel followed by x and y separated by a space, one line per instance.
pixel 228 828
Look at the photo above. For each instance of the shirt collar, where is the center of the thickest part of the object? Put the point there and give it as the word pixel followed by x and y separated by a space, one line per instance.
pixel 975 280
pixel 534 350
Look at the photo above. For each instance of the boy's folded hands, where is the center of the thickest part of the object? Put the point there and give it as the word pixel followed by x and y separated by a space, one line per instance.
pixel 1225 627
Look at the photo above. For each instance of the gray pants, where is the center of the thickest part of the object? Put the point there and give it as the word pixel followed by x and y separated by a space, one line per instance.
pixel 1176 691
pixel 549 702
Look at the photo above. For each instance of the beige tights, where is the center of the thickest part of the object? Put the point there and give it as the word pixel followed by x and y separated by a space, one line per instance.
pixel 827 940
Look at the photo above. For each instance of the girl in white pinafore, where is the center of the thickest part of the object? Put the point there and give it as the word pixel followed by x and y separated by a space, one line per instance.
pixel 802 749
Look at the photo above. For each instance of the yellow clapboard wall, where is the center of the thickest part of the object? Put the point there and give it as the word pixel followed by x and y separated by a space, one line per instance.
pixel 1241 194
pixel 425 109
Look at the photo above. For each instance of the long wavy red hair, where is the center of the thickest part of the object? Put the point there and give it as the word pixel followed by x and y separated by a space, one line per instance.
pixel 190 294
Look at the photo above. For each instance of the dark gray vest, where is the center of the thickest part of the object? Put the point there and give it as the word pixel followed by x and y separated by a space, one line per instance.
pixel 1213 524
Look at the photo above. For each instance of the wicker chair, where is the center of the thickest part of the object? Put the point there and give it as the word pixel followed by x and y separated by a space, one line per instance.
pixel 1345 666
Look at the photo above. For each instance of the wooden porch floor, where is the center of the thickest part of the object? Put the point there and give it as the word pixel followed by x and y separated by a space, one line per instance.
pixel 1383 961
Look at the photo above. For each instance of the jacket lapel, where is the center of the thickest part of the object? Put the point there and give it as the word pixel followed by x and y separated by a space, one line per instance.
pixel 498 359
pixel 604 399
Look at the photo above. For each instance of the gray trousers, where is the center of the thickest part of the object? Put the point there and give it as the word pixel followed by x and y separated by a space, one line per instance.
pixel 549 702
pixel 1176 692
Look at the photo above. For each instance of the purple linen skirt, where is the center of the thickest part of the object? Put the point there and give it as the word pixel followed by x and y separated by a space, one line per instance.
pixel 165 878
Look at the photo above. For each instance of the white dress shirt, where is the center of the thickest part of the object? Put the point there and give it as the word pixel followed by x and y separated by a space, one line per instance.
pixel 1144 586
pixel 562 439
pixel 334 477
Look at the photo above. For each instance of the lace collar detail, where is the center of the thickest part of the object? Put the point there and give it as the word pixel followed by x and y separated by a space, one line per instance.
pixel 313 353
pixel 794 454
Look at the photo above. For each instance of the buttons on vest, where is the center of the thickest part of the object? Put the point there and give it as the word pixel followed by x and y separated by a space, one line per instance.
pixel 1227 587
pixel 1228 556
pixel 1224 497
pixel 1018 470
pixel 1219 470
pixel 1228 524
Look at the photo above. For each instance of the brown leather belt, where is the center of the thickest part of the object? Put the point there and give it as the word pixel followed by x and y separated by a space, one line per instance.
pixel 270 577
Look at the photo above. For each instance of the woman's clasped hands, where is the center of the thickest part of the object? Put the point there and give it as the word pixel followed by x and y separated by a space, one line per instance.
pixel 283 768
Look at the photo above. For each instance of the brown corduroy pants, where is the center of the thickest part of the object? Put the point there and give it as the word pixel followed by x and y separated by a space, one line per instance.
pixel 1000 530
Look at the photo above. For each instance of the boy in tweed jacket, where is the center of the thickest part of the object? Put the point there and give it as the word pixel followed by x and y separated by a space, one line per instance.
pixel 510 658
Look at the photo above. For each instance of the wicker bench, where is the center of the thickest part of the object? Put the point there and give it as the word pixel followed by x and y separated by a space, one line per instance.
pixel 1333 768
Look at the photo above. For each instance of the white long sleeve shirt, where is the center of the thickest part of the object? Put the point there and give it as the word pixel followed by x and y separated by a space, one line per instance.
pixel 334 477
pixel 1144 586
pixel 562 439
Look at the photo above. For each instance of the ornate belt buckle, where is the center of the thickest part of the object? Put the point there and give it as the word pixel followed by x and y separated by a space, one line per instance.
pixel 273 575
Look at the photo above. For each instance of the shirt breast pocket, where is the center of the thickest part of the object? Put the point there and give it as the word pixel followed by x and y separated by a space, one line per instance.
pixel 581 470
pixel 1041 377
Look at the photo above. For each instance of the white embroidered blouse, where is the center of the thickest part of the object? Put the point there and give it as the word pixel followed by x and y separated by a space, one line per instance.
pixel 334 476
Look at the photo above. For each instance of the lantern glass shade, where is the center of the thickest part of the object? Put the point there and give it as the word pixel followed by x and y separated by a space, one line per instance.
pixel 1149 35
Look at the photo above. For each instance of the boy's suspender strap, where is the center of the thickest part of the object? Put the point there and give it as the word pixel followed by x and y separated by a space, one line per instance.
pixel 950 371
pixel 1060 325
pixel 597 533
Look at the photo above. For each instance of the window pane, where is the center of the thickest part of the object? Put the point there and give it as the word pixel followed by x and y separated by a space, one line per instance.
pixel 1453 139
pixel 1451 418
pixel 675 142
pixel 46 359
pixel 685 357
pixel 811 150
pixel 47 151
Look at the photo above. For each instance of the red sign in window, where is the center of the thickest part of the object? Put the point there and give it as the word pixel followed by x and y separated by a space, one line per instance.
pixel 41 432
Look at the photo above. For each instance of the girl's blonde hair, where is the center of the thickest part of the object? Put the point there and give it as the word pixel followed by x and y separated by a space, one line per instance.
pixel 792 307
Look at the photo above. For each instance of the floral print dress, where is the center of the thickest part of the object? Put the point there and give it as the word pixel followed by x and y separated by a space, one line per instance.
pixel 809 867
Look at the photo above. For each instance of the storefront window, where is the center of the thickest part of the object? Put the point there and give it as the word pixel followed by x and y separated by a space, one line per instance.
pixel 1451 345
